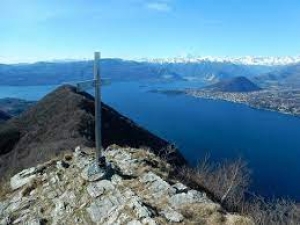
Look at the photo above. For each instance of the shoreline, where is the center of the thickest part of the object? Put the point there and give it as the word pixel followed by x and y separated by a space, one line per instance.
pixel 242 103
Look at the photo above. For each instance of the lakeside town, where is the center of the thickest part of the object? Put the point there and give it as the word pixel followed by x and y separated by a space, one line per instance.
pixel 285 100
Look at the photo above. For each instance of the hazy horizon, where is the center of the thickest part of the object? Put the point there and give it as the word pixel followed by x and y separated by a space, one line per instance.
pixel 282 60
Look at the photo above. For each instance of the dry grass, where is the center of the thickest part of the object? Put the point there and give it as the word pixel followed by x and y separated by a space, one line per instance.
pixel 4 188
pixel 209 214
pixel 228 184
pixel 239 220
pixel 32 185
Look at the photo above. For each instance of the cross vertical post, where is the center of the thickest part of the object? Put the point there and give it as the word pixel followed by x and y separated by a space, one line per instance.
pixel 99 169
pixel 97 108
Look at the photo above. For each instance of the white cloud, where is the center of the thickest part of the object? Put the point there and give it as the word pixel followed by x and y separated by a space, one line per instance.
pixel 161 6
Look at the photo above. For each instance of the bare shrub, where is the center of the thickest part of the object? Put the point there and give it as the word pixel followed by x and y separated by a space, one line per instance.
pixel 272 212
pixel 169 153
pixel 227 181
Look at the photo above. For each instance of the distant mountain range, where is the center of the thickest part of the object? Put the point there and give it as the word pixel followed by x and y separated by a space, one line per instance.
pixel 247 60
pixel 50 73
pixel 236 84
pixel 204 70
pixel 54 73
pixel 288 76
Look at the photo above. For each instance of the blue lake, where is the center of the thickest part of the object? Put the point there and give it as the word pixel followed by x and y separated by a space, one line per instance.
pixel 268 141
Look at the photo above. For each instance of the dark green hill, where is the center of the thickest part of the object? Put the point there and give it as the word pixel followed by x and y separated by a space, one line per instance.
pixel 63 120
pixel 236 84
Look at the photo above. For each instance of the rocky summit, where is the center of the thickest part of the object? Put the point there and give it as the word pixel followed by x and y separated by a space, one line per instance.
pixel 137 190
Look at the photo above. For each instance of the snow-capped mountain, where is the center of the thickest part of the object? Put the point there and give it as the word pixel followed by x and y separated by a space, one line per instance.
pixel 247 60
pixel 205 69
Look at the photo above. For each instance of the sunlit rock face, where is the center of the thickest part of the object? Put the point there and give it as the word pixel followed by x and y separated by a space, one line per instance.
pixel 137 190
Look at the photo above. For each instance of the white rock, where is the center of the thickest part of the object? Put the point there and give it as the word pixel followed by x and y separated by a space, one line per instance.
pixel 115 218
pixel 22 178
pixel 3 206
pixel 61 165
pixel 60 207
pixel 97 189
pixel 160 187
pixel 78 149
pixel 70 198
pixel 21 220
pixel 19 203
pixel 116 179
pixel 5 221
pixel 179 187
pixel 123 162
pixel 148 221
pixel 140 210
pixel 55 179
pixel 188 198
pixel 134 222
pixel 81 160
pixel 157 185
pixel 172 216
pixel 149 177
pixel 101 209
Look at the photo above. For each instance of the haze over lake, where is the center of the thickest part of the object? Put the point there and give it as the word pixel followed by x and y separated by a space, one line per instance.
pixel 269 141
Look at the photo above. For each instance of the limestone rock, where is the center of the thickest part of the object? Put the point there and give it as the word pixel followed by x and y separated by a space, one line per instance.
pixel 188 198
pixel 179 187
pixel 5 221
pixel 134 222
pixel 100 209
pixel 149 177
pixel 98 188
pixel 136 193
pixel 172 216
pixel 22 178
pixel 116 179
pixel 156 184
pixel 36 221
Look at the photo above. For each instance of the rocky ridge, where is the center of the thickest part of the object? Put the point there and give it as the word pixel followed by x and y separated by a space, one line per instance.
pixel 62 120
pixel 138 190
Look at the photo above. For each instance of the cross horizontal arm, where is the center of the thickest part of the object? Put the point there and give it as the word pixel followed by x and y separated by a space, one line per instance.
pixel 84 85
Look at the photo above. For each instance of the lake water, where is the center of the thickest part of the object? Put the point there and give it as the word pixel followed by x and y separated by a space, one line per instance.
pixel 268 141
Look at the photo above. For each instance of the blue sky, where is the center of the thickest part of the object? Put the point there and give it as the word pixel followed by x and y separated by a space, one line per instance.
pixel 32 30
